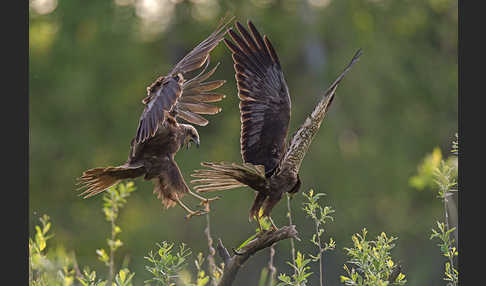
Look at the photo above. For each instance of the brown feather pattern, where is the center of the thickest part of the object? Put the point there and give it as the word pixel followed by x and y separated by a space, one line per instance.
pixel 163 94
pixel 264 97
pixel 265 114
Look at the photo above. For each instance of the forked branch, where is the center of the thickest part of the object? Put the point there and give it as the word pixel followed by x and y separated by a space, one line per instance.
pixel 235 262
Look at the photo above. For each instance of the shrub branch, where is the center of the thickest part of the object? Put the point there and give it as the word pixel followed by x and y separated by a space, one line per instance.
pixel 235 262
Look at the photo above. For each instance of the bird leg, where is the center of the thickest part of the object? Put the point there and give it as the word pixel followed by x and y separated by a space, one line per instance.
pixel 204 201
pixel 274 227
pixel 191 213
pixel 259 224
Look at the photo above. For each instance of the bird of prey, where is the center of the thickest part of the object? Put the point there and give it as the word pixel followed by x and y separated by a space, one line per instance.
pixel 270 165
pixel 159 136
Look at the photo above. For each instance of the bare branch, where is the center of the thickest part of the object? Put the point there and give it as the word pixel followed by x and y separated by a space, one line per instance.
pixel 271 267
pixel 235 262
pixel 212 251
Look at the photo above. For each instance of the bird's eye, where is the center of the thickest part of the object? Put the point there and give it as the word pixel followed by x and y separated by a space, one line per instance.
pixel 176 77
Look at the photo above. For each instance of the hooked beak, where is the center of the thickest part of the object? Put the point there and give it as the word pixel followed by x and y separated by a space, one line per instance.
pixel 195 141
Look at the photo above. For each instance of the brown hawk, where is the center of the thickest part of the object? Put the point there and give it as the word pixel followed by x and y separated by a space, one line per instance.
pixel 270 165
pixel 159 136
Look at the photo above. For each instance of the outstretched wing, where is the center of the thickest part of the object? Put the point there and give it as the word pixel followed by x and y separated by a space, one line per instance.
pixel 197 56
pixel 170 185
pixel 163 94
pixel 302 139
pixel 264 97
pixel 196 96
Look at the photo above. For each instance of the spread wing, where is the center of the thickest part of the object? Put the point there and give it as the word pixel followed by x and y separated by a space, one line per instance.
pixel 264 97
pixel 196 58
pixel 302 139
pixel 163 94
pixel 196 96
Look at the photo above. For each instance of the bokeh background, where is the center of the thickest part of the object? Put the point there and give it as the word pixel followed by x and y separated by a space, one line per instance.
pixel 89 65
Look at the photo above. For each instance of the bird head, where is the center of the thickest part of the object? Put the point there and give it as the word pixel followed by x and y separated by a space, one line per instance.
pixel 190 135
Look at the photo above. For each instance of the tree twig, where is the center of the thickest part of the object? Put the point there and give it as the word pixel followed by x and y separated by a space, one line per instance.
pixel 271 267
pixel 292 245
pixel 235 262
pixel 212 251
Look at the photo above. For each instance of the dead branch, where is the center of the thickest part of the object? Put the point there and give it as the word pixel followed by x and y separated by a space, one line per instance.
pixel 232 264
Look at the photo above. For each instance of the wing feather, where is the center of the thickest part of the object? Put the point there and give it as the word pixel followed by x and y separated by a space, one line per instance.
pixel 196 96
pixel 198 56
pixel 164 93
pixel 264 97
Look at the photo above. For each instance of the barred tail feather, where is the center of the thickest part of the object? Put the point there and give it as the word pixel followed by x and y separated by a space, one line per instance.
pixel 98 180
pixel 225 176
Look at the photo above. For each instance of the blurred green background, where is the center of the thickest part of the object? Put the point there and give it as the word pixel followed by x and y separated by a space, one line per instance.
pixel 89 65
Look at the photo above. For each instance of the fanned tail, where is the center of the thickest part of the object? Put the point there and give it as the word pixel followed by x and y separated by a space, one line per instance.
pixel 224 176
pixel 98 180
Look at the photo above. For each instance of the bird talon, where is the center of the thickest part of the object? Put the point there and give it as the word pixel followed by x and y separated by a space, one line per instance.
pixel 208 200
pixel 196 213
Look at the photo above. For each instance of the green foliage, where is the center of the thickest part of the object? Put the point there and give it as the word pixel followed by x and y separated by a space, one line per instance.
pixel 165 266
pixel 374 266
pixel 425 172
pixel 367 147
pixel 201 278
pixel 445 177
pixel 89 278
pixel 320 215
pixel 455 145
pixel 448 250
pixel 301 272
pixel 60 268
pixel 42 269
pixel 114 199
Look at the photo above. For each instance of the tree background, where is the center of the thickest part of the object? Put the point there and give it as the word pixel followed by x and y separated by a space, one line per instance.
pixel 89 65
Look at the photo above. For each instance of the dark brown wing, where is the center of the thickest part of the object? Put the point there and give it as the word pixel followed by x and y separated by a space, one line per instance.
pixel 162 96
pixel 196 96
pixel 164 93
pixel 170 185
pixel 264 97
pixel 197 57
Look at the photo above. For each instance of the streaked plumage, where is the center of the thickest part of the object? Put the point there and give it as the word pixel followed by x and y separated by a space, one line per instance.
pixel 271 167
pixel 159 136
